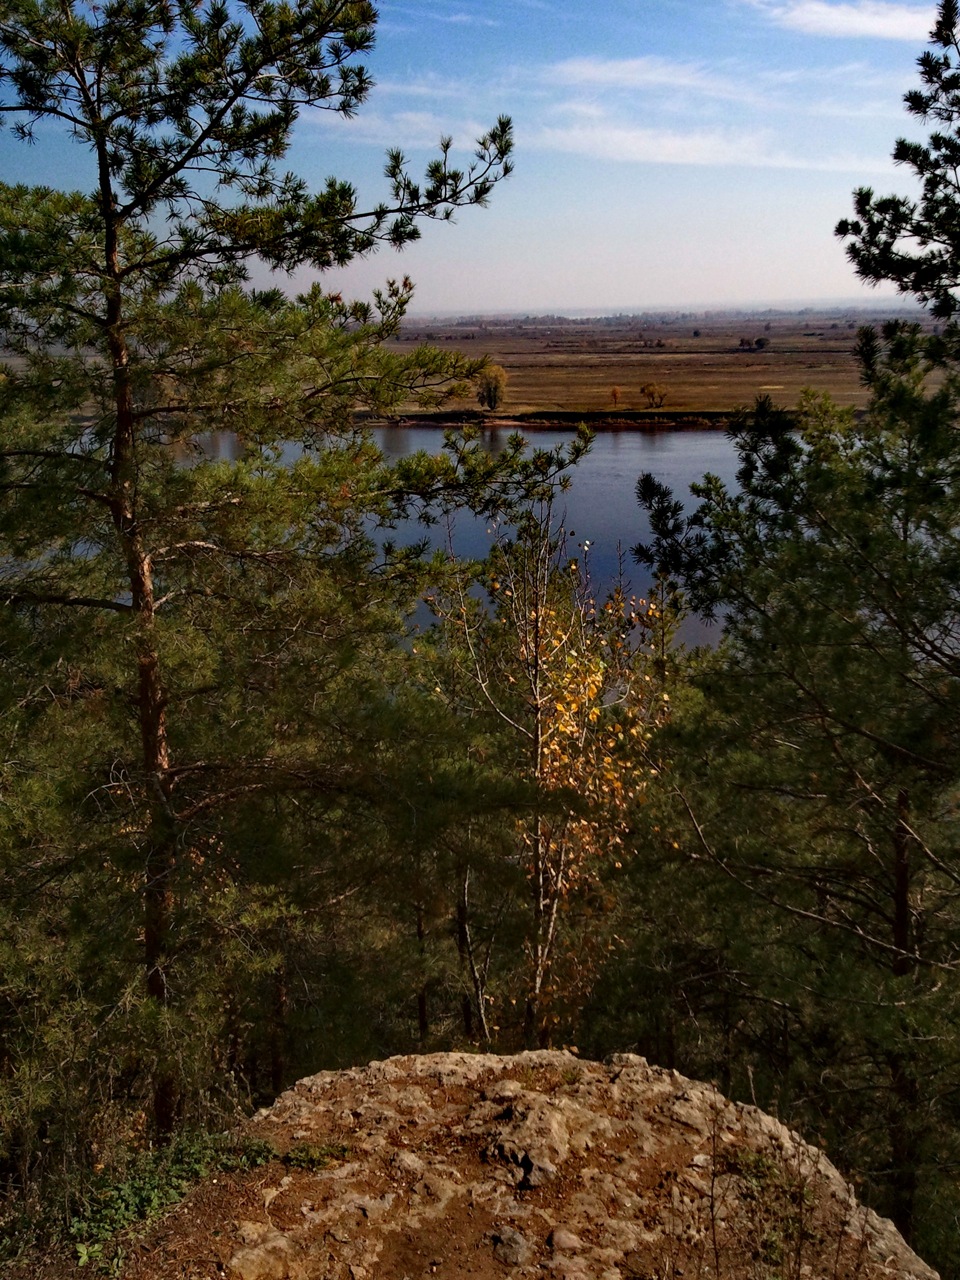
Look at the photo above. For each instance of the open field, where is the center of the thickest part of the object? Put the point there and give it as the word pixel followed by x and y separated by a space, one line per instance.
pixel 710 363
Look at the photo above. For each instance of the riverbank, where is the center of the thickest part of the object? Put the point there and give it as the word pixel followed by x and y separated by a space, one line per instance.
pixel 646 420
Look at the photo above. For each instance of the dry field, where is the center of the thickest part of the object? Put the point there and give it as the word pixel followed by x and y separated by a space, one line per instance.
pixel 704 363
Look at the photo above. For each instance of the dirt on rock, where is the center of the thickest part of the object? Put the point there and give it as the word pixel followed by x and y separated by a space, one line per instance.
pixel 456 1166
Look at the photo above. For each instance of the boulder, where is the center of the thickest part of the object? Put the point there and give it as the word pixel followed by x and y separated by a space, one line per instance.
pixel 538 1165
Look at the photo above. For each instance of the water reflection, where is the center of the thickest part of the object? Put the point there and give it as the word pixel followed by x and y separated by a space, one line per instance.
pixel 600 506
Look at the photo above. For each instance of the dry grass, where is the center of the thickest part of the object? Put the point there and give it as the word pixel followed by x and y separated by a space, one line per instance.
pixel 575 366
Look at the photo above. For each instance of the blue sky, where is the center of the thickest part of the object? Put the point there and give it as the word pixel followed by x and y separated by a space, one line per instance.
pixel 671 154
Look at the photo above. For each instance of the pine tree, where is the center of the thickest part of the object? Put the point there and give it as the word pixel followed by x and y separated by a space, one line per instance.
pixel 183 634
pixel 820 770
pixel 915 243
pixel 821 779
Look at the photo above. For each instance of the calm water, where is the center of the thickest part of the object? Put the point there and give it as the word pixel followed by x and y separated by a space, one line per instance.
pixel 601 504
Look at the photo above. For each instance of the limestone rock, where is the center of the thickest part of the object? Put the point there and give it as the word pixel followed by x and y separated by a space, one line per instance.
pixel 510 1247
pixel 537 1166
pixel 267 1254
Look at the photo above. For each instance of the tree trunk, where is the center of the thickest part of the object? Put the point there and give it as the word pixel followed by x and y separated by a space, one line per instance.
pixel 905 1090
pixel 478 973
pixel 902 910
pixel 902 1133
pixel 278 1029
pixel 463 946
pixel 151 697
pixel 423 1017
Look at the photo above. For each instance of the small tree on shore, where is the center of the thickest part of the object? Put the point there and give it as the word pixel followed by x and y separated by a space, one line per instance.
pixel 491 387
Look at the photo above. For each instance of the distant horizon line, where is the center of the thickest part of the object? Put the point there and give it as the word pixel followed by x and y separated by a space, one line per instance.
pixel 893 303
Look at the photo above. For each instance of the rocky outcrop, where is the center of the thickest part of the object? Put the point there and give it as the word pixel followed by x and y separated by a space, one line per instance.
pixel 539 1165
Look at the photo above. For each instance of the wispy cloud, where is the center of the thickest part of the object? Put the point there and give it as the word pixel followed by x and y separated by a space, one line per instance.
pixel 851 76
pixel 466 19
pixel 427 86
pixel 632 144
pixel 882 19
pixel 752 87
pixel 455 17
pixel 410 130
pixel 852 90
pixel 640 73
pixel 382 129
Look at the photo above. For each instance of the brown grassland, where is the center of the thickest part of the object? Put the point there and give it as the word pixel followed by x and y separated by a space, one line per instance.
pixel 704 364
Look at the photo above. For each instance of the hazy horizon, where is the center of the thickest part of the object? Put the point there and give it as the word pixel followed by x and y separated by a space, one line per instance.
pixel 881 304
pixel 670 155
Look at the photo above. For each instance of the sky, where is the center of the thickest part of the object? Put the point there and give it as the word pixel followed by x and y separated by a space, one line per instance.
pixel 670 154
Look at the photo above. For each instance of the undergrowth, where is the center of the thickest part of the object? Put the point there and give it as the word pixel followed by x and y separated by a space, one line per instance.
pixel 151 1183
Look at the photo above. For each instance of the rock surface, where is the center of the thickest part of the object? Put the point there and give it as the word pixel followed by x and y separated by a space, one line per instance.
pixel 459 1166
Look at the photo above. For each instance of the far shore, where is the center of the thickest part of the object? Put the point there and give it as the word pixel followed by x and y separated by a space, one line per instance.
pixel 562 420
pixel 651 372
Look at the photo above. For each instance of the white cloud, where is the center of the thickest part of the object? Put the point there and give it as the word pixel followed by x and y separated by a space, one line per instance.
pixel 428 86
pixel 851 76
pixel 872 111
pixel 465 19
pixel 457 17
pixel 401 128
pixel 764 90
pixel 883 19
pixel 410 130
pixel 632 144
pixel 639 73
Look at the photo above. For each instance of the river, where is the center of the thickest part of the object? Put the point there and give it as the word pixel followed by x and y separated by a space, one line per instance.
pixel 601 505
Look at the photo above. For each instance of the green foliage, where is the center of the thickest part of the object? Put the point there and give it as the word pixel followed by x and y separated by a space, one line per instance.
pixel 147 1184
pixel 818 771
pixel 132 1192
pixel 151 1184
pixel 156 1180
pixel 200 653
pixel 914 243
pixel 491 384
pixel 309 1156
pixel 249 826
pixel 188 94
pixel 829 716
